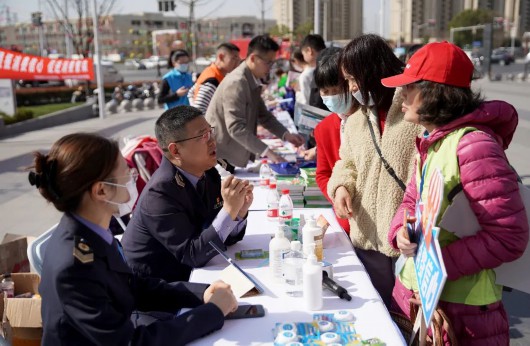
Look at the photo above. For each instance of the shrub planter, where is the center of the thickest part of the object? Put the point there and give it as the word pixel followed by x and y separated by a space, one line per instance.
pixel 65 116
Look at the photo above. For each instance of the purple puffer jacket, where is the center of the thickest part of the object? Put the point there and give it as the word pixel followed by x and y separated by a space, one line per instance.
pixel 491 187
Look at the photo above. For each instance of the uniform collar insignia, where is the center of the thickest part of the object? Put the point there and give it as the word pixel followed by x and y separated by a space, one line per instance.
pixel 219 203
pixel 179 179
pixel 82 251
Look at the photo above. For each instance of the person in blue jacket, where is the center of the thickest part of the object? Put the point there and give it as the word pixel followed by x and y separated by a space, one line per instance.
pixel 89 294
pixel 177 82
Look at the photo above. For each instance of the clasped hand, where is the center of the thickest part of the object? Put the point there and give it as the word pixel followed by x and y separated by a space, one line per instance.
pixel 237 196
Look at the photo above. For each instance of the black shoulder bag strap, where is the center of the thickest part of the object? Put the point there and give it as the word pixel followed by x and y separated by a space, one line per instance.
pixel 387 166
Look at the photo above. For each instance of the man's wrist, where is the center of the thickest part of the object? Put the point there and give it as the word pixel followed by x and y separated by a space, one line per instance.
pixel 233 213
pixel 242 214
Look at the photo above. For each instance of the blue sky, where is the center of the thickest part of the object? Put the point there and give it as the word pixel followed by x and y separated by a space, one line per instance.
pixel 210 8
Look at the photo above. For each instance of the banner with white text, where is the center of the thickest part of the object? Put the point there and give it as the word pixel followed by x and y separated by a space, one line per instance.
pixel 14 65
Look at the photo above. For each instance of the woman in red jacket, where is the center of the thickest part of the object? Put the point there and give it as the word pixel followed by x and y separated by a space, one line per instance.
pixel 465 139
pixel 328 133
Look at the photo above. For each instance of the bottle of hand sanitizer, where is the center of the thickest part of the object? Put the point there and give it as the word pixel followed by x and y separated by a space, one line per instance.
pixel 293 263
pixel 312 282
pixel 278 246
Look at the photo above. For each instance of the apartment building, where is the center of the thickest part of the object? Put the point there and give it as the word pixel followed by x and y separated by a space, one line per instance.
pixel 339 19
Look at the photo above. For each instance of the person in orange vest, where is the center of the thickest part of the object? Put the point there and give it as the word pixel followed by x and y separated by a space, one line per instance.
pixel 227 59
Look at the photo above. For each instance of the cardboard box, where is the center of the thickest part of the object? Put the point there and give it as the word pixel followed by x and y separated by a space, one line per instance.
pixel 13 254
pixel 24 314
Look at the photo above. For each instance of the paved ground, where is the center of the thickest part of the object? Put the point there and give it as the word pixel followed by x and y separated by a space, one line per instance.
pixel 23 210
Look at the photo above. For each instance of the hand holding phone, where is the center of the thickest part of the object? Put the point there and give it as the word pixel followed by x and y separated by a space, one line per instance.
pixel 246 311
pixel 406 236
pixel 410 223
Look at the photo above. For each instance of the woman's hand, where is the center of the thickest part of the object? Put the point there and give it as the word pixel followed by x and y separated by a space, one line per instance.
pixel 404 245
pixel 342 203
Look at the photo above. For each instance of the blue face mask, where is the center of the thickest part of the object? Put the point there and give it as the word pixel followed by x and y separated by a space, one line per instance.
pixel 182 68
pixel 340 104
pixel 359 97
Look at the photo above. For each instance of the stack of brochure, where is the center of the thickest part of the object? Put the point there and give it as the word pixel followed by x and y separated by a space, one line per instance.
pixel 295 186
pixel 314 198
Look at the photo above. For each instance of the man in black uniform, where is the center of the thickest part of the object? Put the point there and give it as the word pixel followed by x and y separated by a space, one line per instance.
pixel 185 205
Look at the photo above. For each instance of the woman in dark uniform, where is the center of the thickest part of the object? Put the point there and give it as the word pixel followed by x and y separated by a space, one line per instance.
pixel 88 291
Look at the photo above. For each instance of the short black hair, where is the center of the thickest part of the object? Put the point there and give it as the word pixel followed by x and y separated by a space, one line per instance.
pixel 412 49
pixel 171 125
pixel 228 46
pixel 297 54
pixel 443 103
pixel 316 42
pixel 262 44
pixel 327 72
pixel 368 59
pixel 176 54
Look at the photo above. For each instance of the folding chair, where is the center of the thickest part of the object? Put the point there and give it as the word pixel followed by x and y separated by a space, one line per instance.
pixel 36 249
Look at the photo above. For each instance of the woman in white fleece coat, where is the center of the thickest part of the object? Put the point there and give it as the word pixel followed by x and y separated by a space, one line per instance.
pixel 361 188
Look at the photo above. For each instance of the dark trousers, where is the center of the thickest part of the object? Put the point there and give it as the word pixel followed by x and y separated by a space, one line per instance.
pixel 380 268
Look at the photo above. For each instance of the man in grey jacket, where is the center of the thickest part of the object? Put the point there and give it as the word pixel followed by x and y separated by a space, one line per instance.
pixel 237 108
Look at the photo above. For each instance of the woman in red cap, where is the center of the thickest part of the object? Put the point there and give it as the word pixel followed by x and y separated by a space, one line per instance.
pixel 465 139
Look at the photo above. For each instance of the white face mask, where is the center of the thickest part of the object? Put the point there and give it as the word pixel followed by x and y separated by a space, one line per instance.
pixel 125 208
pixel 182 68
pixel 359 97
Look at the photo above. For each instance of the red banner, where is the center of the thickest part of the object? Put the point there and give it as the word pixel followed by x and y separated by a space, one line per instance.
pixel 15 65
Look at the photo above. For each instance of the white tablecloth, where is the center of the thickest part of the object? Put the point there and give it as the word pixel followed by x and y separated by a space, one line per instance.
pixel 371 316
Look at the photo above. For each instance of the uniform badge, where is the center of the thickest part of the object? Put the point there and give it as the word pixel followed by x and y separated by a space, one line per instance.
pixel 82 251
pixel 179 180
pixel 218 203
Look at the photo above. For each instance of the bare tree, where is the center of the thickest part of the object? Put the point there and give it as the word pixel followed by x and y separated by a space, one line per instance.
pixel 79 26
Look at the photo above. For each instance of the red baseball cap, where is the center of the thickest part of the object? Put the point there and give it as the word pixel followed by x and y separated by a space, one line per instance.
pixel 440 62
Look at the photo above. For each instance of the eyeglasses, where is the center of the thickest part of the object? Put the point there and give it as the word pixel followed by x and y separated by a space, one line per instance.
pixel 267 62
pixel 133 175
pixel 205 137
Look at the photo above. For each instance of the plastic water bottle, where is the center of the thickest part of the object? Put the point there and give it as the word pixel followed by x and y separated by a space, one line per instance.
pixel 222 172
pixel 8 286
pixel 285 208
pixel 278 246
pixel 312 283
pixel 265 173
pixel 312 238
pixel 273 200
pixel 293 263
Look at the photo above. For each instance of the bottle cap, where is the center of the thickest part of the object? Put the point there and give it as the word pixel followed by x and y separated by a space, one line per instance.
pixel 296 245
pixel 343 316
pixel 279 232
pixel 325 326
pixel 285 191
pixel 329 337
pixel 264 161
pixel 285 337
pixel 288 327
pixel 311 257
pixel 272 185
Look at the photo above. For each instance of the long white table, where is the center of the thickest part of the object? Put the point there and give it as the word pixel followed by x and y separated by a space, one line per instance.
pixel 371 316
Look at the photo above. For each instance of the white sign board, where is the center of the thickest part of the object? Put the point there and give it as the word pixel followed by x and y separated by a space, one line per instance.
pixel 7 97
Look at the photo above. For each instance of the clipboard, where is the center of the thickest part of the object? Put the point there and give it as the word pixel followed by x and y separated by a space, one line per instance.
pixel 242 283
